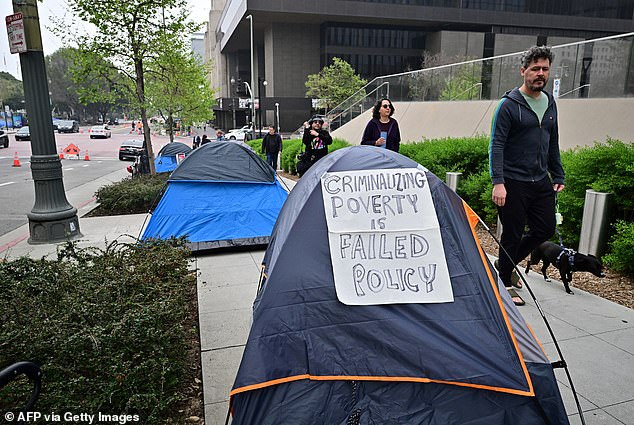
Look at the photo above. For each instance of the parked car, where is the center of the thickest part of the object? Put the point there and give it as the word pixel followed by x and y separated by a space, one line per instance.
pixel 245 133
pixel 113 121
pixel 4 139
pixel 68 126
pixel 130 149
pixel 100 131
pixel 237 134
pixel 23 133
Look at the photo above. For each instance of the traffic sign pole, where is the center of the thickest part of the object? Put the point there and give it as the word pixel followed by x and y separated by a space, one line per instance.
pixel 52 218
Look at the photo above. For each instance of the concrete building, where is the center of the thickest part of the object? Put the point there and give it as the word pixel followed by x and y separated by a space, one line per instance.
pixel 295 38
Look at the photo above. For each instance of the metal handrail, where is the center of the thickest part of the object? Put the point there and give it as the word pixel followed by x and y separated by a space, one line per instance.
pixel 386 83
pixel 573 90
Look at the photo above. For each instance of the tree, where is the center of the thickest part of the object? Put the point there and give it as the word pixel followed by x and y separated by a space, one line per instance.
pixel 11 91
pixel 463 82
pixel 130 34
pixel 334 84
pixel 64 95
pixel 178 87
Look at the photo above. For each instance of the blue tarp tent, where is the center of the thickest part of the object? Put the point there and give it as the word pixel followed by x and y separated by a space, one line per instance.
pixel 222 194
pixel 166 158
pixel 310 358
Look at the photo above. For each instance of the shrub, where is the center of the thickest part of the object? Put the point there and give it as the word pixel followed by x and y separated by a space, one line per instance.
pixel 604 167
pixel 131 195
pixel 476 189
pixel 468 155
pixel 621 256
pixel 107 327
pixel 288 158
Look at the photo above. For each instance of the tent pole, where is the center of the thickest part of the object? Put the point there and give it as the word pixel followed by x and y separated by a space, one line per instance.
pixel 562 363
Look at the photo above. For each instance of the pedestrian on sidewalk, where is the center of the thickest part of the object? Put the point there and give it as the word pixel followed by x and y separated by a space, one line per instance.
pixel 204 140
pixel 525 165
pixel 196 142
pixel 316 140
pixel 272 146
pixel 382 130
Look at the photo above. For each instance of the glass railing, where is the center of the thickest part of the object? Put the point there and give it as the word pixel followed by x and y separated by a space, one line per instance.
pixel 605 65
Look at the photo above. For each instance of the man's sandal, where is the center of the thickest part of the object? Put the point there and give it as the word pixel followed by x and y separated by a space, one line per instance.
pixel 517 300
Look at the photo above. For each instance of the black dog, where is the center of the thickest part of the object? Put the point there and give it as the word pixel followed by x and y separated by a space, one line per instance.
pixel 566 260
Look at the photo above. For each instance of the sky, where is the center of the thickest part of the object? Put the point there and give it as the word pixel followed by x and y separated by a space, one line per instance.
pixel 59 9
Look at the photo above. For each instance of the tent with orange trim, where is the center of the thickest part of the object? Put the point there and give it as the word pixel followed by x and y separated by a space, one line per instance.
pixel 378 305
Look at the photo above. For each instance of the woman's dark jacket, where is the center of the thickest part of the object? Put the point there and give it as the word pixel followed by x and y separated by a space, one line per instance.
pixel 316 146
pixel 522 148
pixel 373 132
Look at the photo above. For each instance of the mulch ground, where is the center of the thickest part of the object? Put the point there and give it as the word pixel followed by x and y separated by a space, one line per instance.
pixel 614 286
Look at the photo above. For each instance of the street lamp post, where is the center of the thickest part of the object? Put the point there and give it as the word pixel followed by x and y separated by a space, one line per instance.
pixel 52 218
pixel 277 115
pixel 250 18
pixel 263 82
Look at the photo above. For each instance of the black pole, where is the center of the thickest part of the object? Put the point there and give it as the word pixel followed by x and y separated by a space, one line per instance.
pixel 260 102
pixel 52 218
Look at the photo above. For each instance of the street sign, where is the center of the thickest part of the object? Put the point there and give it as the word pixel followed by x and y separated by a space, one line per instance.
pixel 15 31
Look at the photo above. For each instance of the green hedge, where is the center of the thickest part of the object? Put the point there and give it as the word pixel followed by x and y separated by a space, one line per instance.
pixel 604 167
pixel 108 328
pixel 621 256
pixel 131 195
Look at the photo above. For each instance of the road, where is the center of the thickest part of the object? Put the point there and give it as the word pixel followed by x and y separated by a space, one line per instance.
pixel 16 183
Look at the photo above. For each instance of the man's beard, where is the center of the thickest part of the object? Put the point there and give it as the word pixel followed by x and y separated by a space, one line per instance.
pixel 535 87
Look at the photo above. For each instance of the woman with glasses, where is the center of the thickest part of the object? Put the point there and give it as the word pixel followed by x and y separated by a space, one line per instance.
pixel 382 130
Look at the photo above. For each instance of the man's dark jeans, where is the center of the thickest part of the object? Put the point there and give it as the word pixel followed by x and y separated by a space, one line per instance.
pixel 271 159
pixel 527 203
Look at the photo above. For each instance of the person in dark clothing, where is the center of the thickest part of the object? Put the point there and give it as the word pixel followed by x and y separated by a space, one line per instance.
pixel 272 146
pixel 196 142
pixel 525 165
pixel 382 130
pixel 316 139
pixel 204 140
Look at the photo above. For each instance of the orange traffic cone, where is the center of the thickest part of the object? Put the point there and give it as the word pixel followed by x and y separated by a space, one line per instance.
pixel 61 154
pixel 87 157
pixel 16 160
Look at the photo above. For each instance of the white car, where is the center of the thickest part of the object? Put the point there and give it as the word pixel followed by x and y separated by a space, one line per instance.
pixel 245 133
pixel 237 134
pixel 100 131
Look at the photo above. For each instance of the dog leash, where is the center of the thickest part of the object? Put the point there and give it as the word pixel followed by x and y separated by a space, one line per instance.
pixel 561 363
pixel 568 252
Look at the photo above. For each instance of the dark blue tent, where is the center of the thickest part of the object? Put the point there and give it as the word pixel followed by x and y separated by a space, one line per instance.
pixel 311 359
pixel 166 158
pixel 222 194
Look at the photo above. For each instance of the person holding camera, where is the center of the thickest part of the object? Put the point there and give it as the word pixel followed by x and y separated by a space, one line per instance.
pixel 382 130
pixel 316 140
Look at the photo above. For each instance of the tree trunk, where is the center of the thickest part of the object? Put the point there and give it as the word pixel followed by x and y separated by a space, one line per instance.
pixel 170 126
pixel 140 92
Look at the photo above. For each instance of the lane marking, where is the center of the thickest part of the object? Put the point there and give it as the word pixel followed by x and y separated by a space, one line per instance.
pixel 6 184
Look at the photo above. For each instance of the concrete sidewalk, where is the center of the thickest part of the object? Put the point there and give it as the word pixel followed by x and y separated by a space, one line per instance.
pixel 596 336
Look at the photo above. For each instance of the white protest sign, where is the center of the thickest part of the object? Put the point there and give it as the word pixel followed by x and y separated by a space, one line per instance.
pixel 384 236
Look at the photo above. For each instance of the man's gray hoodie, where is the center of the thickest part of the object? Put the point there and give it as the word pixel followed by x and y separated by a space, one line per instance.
pixel 521 147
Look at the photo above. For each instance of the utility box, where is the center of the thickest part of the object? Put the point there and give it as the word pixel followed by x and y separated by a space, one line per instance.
pixel 595 223
pixel 452 180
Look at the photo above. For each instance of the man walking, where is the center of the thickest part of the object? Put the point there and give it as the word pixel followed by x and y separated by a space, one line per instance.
pixel 272 146
pixel 525 166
